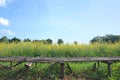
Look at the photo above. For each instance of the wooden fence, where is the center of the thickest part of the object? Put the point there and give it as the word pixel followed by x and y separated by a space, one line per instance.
pixel 20 59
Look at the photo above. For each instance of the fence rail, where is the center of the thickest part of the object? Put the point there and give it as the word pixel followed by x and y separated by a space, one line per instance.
pixel 53 59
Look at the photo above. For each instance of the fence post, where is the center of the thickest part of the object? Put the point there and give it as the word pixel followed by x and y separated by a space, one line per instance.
pixel 11 65
pixel 109 68
pixel 62 70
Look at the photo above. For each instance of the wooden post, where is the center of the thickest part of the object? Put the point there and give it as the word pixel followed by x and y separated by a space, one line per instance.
pixel 98 65
pixel 11 65
pixel 109 69
pixel 61 70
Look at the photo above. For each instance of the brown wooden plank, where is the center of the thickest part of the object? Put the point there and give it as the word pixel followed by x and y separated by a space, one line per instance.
pixel 45 59
pixel 82 59
pixel 17 59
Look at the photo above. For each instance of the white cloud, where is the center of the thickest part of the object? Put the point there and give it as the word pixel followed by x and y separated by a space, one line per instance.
pixel 3 3
pixel 4 32
pixel 4 22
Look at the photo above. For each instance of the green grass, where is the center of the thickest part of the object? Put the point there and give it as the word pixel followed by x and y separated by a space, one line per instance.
pixel 80 69
pixel 38 49
pixel 66 50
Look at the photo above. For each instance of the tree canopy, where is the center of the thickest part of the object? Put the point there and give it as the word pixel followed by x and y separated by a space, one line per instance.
pixel 60 41
pixel 109 38
pixel 49 41
pixel 106 39
pixel 27 40
pixel 4 39
pixel 15 40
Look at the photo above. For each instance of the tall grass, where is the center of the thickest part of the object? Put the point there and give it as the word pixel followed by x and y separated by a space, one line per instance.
pixel 67 50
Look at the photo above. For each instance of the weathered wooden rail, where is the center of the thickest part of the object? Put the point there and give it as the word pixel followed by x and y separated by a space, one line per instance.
pixel 53 59
pixel 20 59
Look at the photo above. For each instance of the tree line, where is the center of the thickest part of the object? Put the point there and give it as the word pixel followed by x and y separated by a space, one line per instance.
pixel 17 40
pixel 109 38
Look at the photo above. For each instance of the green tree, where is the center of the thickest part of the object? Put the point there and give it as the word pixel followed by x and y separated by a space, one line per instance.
pixel 49 41
pixel 106 39
pixel 16 40
pixel 27 40
pixel 75 42
pixel 97 39
pixel 4 39
pixel 36 41
pixel 60 41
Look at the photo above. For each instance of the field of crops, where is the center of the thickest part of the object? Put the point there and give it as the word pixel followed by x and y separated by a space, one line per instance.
pixel 66 50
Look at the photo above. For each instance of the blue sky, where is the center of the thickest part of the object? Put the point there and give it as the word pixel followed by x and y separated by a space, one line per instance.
pixel 70 20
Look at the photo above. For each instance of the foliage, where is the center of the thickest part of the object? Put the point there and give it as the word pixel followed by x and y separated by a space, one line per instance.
pixel 4 39
pixel 60 41
pixel 80 69
pixel 49 41
pixel 16 40
pixel 75 42
pixel 66 50
pixel 41 48
pixel 106 39
pixel 27 40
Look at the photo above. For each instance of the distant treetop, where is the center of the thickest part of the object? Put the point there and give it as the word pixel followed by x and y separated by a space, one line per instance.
pixel 106 39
